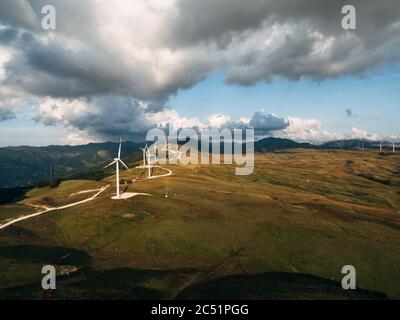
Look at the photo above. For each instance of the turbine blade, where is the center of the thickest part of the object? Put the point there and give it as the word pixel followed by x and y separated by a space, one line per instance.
pixel 119 149
pixel 110 164
pixel 124 165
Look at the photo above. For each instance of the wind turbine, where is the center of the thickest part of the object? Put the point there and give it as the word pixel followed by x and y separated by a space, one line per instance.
pixel 394 146
pixel 146 160
pixel 144 155
pixel 380 145
pixel 117 161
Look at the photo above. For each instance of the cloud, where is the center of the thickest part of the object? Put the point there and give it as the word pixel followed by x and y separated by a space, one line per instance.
pixel 18 13
pixel 5 56
pixel 77 137
pixel 245 120
pixel 90 120
pixel 217 120
pixel 108 117
pixel 109 62
pixel 171 117
pixel 102 118
pixel 6 114
pixel 100 53
pixel 349 113
pixel 149 51
pixel 308 130
pixel 8 35
pixel 9 106
pixel 362 134
pixel 97 120
pixel 264 123
pixel 262 39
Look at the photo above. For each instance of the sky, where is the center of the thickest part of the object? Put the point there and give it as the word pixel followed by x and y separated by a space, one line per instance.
pixel 109 70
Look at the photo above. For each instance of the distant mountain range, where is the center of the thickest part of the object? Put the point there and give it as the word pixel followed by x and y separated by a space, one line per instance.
pixel 273 144
pixel 24 166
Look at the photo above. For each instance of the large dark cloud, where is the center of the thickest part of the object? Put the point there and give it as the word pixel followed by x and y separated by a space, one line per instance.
pixel 52 70
pixel 305 25
pixel 250 41
pixel 77 60
pixel 104 117
pixel 208 20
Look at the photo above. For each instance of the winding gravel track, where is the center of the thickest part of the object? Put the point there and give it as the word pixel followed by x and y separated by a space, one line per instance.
pixel 52 209
pixel 9 223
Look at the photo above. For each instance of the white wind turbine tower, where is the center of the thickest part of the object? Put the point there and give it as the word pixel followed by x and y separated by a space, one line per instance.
pixel 394 146
pixel 117 161
pixel 148 163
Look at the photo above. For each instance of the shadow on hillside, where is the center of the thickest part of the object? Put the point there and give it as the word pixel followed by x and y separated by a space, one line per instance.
pixel 127 283
pixel 46 255
pixel 274 286
pixel 12 195
pixel 84 282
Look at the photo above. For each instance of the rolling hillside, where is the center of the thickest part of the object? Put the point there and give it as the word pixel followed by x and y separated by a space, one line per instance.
pixel 206 233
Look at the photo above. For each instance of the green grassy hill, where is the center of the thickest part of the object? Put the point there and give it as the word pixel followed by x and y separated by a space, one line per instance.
pixel 291 226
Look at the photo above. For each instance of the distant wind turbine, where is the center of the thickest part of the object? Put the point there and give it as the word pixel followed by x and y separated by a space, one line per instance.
pixel 117 161
pixel 394 146
pixel 144 155
pixel 146 160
